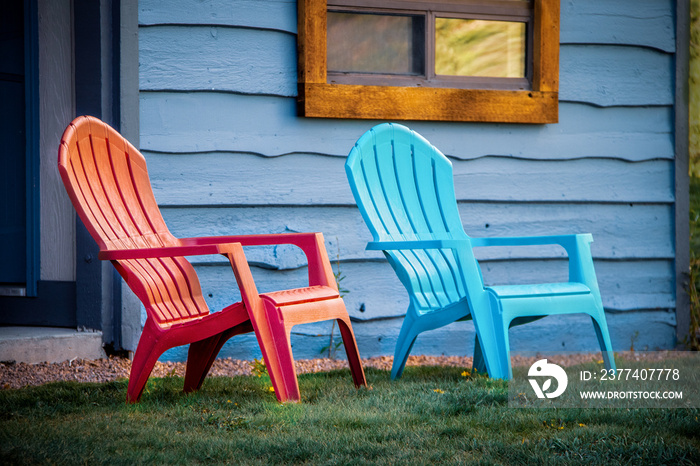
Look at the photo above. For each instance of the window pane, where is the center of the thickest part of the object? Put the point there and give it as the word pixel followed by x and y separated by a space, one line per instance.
pixel 373 43
pixel 471 47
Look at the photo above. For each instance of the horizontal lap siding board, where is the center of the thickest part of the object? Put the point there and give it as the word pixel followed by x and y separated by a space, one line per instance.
pixel 629 22
pixel 266 125
pixel 279 15
pixel 200 58
pixel 621 22
pixel 620 231
pixel 581 180
pixel 376 293
pixel 227 154
pixel 616 75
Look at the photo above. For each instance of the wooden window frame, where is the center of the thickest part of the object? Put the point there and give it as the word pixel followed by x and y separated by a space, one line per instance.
pixel 320 99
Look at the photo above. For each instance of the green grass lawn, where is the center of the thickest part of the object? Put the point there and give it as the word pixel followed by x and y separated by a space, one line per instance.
pixel 433 415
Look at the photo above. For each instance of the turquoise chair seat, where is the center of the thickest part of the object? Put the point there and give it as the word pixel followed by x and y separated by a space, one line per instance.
pixel 404 190
pixel 550 290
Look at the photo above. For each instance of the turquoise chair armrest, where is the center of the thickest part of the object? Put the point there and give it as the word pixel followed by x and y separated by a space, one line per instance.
pixel 416 244
pixel 578 248
pixel 566 241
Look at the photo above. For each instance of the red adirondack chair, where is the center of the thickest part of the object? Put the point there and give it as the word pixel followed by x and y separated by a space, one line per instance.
pixel 107 181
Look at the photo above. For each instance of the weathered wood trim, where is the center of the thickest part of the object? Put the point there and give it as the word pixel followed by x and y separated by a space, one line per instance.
pixel 545 49
pixel 422 103
pixel 311 41
pixel 319 99
pixel 682 237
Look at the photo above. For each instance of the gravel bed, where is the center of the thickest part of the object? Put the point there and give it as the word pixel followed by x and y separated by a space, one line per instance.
pixel 17 375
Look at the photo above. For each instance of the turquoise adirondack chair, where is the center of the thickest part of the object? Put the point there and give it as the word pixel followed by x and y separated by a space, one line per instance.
pixel 404 189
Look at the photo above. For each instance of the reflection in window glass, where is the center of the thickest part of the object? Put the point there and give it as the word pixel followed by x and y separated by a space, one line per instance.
pixel 372 43
pixel 470 47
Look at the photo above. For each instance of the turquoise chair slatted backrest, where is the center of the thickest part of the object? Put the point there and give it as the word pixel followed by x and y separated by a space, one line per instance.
pixel 404 189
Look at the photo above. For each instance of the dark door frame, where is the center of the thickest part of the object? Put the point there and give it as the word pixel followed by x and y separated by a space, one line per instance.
pixel 31 99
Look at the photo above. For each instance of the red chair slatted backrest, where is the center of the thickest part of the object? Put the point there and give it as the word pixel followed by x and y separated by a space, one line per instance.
pixel 107 181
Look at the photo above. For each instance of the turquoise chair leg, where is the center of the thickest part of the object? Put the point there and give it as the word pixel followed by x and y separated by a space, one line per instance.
pixel 505 369
pixel 496 354
pixel 492 332
pixel 407 336
pixel 601 331
pixel 479 363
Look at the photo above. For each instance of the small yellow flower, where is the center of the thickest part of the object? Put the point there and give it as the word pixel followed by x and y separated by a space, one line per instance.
pixel 437 390
pixel 228 401
pixel 271 389
pixel 465 374
pixel 581 425
pixel 600 362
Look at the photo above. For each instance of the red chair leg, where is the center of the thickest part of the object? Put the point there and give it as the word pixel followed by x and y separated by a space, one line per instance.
pixel 202 354
pixel 145 357
pixel 200 357
pixel 358 374
pixel 289 375
pixel 280 367
pixel 277 353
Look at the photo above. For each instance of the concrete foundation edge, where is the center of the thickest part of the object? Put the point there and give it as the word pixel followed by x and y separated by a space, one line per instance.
pixel 34 345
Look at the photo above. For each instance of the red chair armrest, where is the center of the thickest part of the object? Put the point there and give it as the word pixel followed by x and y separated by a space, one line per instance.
pixel 168 251
pixel 320 271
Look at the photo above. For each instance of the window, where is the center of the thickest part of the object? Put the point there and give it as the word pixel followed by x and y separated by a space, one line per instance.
pixel 481 60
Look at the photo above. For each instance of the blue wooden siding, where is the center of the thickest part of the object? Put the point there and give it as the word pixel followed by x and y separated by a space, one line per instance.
pixel 228 155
